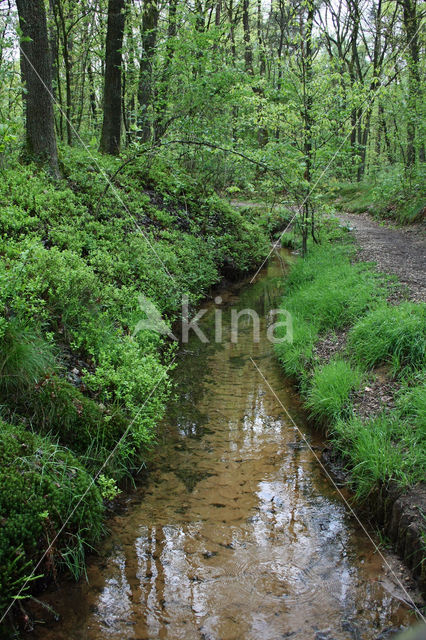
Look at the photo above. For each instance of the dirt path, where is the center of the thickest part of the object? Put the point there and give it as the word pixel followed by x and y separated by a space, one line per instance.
pixel 398 251
pixel 401 251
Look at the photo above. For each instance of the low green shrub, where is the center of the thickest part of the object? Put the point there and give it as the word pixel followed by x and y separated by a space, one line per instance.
pixel 394 194
pixel 42 488
pixel 74 261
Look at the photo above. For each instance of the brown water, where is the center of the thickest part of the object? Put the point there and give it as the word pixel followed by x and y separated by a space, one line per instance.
pixel 238 535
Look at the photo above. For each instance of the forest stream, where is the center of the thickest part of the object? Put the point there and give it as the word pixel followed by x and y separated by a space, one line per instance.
pixel 237 534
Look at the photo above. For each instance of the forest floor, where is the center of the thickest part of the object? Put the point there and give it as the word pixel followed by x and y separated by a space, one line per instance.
pixel 401 251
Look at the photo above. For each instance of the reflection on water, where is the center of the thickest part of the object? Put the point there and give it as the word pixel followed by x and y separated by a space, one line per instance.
pixel 238 534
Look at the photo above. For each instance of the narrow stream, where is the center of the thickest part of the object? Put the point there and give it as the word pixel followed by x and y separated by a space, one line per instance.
pixel 238 534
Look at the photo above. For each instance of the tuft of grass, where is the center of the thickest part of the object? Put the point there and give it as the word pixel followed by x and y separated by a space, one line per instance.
pixel 295 357
pixel 330 389
pixel 395 335
pixel 325 291
pixel 25 357
pixel 377 451
pixel 42 485
pixel 411 401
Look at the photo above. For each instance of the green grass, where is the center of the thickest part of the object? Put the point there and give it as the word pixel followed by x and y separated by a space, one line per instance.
pixel 355 197
pixel 325 292
pixel 382 449
pixel 391 334
pixel 330 388
pixel 411 399
pixel 25 356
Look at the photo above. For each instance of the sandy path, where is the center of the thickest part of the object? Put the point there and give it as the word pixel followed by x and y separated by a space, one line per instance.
pixel 401 251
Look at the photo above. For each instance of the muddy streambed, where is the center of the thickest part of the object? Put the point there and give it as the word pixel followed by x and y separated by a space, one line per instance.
pixel 238 534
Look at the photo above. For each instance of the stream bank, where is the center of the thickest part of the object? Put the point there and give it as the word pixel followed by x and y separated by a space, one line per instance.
pixel 238 532
pixel 359 358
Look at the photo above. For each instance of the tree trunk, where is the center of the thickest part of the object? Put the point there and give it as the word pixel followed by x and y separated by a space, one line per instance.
pixel 111 126
pixel 307 127
pixel 149 38
pixel 248 53
pixel 160 123
pixel 66 53
pixel 411 26
pixel 36 67
pixel 92 94
pixel 262 134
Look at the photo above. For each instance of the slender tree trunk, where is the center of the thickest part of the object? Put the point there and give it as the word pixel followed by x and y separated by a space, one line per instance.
pixel 218 13
pixel 92 94
pixel 232 30
pixel 377 60
pixel 160 124
pixel 217 17
pixel 248 52
pixel 411 25
pixel 36 67
pixel 129 95
pixel 66 53
pixel 262 134
pixel 308 211
pixel 111 126
pixel 232 25
pixel 149 38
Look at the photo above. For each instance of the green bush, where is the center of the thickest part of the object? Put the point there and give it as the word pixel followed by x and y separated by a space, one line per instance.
pixel 42 488
pixel 393 194
pixel 73 263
